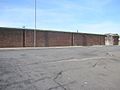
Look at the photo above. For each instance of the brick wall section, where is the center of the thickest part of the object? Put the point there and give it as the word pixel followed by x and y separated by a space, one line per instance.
pixel 11 37
pixel 88 39
pixel 41 39
pixel 93 40
pixel 14 37
pixel 29 42
pixel 59 39
pixel 102 40
pixel 79 39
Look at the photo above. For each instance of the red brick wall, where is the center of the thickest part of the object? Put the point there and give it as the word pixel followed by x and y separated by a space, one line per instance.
pixel 92 40
pixel 102 40
pixel 29 40
pixel 88 39
pixel 59 39
pixel 11 37
pixel 79 39
pixel 41 39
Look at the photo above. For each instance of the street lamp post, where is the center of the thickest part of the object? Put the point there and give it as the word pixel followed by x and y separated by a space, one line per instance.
pixel 35 27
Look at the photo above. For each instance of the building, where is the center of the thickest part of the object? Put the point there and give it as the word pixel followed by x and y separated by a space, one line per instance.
pixel 112 39
pixel 20 37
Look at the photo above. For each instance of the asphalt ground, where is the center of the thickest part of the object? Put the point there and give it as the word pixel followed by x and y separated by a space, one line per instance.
pixel 60 68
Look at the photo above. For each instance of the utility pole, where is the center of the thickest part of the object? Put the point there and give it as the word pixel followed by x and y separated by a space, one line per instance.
pixel 77 31
pixel 24 36
pixel 35 26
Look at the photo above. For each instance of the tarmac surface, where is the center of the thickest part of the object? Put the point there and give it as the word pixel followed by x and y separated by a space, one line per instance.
pixel 63 68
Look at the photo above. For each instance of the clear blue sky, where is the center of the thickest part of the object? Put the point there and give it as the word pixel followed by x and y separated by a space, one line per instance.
pixel 89 16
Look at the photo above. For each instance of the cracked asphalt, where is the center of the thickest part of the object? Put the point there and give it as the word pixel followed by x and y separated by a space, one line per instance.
pixel 65 68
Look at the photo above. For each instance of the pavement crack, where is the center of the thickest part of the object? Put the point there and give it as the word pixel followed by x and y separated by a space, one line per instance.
pixel 28 81
pixel 55 80
pixel 53 88
pixel 58 74
pixel 96 63
pixel 41 79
